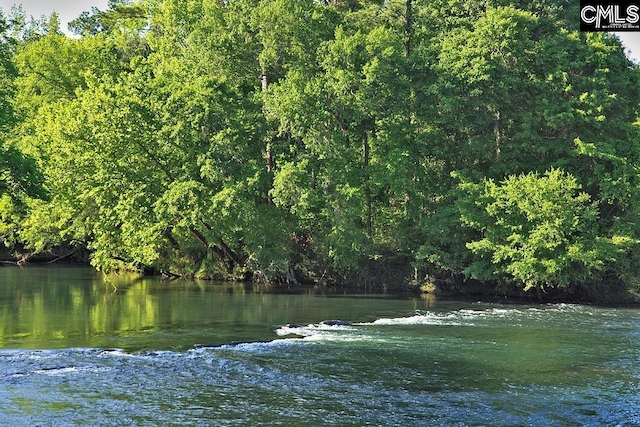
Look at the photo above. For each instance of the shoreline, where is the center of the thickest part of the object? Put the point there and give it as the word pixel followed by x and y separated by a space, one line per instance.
pixel 476 291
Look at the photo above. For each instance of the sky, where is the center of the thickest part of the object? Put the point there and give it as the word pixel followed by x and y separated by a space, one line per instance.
pixel 67 9
pixel 71 9
pixel 631 42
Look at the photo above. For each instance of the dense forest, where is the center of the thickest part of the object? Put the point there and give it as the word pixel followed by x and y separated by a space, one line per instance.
pixel 452 145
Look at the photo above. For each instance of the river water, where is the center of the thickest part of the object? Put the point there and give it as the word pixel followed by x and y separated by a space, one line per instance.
pixel 77 348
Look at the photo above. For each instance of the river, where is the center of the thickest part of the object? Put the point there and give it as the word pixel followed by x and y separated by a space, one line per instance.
pixel 79 348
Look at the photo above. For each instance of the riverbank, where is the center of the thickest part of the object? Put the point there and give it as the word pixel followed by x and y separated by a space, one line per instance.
pixel 398 282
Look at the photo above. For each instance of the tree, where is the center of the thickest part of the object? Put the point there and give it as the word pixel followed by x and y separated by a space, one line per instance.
pixel 521 92
pixel 537 231
pixel 347 181
pixel 8 73
pixel 94 22
pixel 249 138
pixel 20 178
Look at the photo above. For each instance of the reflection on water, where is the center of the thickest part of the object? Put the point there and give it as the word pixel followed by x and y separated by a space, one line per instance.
pixel 77 348
pixel 44 307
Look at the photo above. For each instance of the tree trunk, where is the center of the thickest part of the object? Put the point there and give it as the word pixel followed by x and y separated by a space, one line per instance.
pixel 367 188
pixel 227 263
pixel 291 277
pixel 497 132
pixel 407 28
pixel 268 148
pixel 172 241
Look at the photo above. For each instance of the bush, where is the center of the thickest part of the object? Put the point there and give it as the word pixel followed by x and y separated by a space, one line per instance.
pixel 536 231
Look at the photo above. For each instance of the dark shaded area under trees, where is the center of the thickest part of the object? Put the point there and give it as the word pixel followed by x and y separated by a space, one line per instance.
pixel 461 146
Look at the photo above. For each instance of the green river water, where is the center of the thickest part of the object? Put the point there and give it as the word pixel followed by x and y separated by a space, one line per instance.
pixel 78 348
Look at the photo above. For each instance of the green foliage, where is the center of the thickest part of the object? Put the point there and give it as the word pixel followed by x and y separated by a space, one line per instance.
pixel 252 138
pixel 19 176
pixel 20 179
pixel 536 230
pixel 119 13
pixel 355 144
